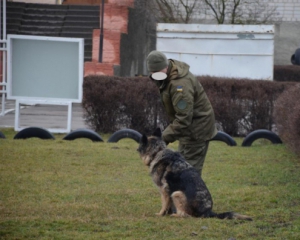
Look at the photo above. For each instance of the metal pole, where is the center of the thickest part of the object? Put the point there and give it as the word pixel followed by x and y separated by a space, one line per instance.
pixel 101 33
pixel 3 49
pixel 4 20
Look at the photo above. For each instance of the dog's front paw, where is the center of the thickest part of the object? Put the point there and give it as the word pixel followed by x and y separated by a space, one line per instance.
pixel 161 213
pixel 180 214
pixel 170 211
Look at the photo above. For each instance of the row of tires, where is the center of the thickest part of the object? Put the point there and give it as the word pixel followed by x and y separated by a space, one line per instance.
pixel 132 134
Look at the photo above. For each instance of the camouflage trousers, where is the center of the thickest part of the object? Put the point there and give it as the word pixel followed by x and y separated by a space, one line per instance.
pixel 194 154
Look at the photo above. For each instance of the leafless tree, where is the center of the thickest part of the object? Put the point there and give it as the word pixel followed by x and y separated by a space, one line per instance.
pixel 241 11
pixel 259 12
pixel 173 11
pixel 222 11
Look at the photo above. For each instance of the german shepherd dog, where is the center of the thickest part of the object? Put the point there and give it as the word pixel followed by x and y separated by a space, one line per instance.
pixel 179 183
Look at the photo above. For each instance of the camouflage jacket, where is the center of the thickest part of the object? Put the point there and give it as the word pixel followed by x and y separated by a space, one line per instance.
pixel 188 108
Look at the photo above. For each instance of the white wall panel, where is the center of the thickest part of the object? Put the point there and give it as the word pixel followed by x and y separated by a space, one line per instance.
pixel 238 51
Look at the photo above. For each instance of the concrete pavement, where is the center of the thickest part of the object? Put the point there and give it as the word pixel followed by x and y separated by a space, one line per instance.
pixel 44 116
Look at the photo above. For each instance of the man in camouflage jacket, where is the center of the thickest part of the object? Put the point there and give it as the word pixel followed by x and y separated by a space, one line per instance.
pixel 188 108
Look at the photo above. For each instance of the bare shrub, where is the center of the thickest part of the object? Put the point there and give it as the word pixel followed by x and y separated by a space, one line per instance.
pixel 112 103
pixel 287 73
pixel 241 106
pixel 287 117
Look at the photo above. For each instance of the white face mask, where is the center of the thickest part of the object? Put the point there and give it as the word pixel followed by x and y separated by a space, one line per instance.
pixel 159 76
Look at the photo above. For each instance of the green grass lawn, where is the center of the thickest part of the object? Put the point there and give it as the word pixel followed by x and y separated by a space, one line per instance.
pixel 58 189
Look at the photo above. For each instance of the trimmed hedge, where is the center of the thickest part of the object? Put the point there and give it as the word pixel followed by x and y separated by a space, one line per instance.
pixel 287 117
pixel 287 73
pixel 113 103
pixel 240 106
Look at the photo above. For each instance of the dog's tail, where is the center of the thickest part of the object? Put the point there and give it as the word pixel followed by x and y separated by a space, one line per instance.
pixel 229 215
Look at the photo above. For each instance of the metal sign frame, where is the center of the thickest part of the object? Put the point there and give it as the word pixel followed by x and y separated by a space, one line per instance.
pixel 45 70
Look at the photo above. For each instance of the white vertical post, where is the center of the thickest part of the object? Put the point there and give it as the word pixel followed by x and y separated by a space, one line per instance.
pixel 3 49
pixel 17 115
pixel 3 82
pixel 3 104
pixel 69 117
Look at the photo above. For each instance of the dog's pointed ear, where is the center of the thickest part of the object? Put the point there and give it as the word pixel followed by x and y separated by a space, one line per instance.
pixel 144 140
pixel 157 132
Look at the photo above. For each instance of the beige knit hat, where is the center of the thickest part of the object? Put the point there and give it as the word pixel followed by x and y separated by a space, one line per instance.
pixel 156 61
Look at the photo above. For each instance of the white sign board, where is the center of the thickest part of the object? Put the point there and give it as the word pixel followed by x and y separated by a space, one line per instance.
pixel 45 68
pixel 234 51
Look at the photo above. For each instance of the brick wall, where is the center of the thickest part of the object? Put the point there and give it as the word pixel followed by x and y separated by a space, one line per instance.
pixel 125 3
pixel 115 23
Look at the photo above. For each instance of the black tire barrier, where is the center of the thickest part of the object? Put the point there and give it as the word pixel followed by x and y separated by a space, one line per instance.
pixel 34 132
pixel 224 137
pixel 84 133
pixel 261 133
pixel 2 135
pixel 125 133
